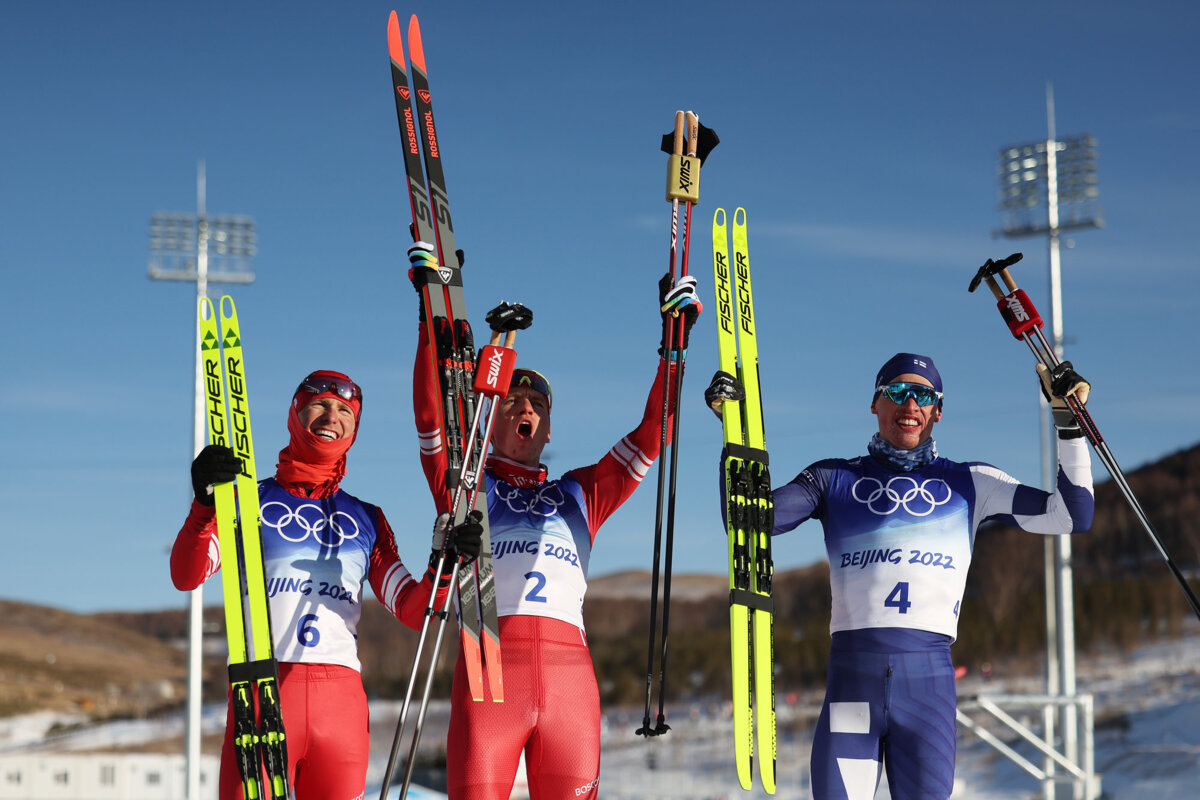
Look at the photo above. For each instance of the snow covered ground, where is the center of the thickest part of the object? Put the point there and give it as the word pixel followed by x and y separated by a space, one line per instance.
pixel 1147 738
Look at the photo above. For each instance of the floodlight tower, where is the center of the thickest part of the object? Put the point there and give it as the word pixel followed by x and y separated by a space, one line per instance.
pixel 180 248
pixel 1062 173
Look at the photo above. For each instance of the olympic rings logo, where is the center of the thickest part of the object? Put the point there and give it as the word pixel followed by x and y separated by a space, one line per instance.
pixel 902 491
pixel 539 501
pixel 330 530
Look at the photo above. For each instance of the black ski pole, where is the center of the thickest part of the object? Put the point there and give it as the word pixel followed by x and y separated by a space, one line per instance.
pixel 668 339
pixel 1026 324
pixel 661 727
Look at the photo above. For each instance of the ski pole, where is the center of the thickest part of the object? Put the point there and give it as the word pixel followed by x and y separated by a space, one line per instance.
pixel 1026 324
pixel 494 381
pixel 442 614
pixel 668 354
pixel 661 726
pixel 683 182
pixel 491 378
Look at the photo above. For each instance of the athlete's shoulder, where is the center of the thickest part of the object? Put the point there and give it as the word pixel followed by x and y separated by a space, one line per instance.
pixel 831 466
pixel 342 496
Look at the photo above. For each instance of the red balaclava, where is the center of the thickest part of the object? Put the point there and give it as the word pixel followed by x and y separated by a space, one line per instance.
pixel 309 460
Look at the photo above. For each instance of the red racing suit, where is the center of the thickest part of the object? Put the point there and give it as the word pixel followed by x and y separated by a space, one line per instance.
pixel 542 533
pixel 317 550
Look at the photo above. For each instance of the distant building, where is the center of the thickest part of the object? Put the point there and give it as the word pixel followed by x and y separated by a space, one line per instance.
pixel 102 776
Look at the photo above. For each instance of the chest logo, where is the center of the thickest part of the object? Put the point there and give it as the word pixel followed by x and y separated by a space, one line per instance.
pixel 902 491
pixel 330 530
pixel 543 501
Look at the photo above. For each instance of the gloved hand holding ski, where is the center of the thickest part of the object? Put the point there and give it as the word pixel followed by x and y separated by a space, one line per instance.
pixel 749 508
pixel 466 540
pixel 422 256
pixel 723 387
pixel 216 463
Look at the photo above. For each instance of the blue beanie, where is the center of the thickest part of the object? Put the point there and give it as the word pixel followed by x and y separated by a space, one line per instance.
pixel 902 363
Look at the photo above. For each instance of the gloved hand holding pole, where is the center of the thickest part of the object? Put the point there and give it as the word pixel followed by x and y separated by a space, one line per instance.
pixel 1025 323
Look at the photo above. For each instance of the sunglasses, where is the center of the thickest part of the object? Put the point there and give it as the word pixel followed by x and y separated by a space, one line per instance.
pixel 900 391
pixel 319 384
pixel 534 380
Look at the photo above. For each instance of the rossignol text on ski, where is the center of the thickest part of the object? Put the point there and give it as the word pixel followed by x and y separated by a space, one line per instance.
pixel 448 331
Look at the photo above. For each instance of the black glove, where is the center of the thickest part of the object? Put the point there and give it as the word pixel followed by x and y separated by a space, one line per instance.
pixel 216 463
pixel 723 387
pixel 466 540
pixel 675 299
pixel 468 537
pixel 1057 385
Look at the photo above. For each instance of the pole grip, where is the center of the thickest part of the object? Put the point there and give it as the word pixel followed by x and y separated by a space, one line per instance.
pixel 683 172
pixel 1008 280
pixel 995 287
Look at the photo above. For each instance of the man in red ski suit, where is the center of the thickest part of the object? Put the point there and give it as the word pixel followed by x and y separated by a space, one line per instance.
pixel 319 544
pixel 542 532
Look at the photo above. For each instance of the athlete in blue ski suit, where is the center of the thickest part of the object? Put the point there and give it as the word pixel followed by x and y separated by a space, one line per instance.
pixel 899 527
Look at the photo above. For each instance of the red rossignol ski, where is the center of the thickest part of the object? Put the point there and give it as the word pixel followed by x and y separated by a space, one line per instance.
pixel 450 336
pixel 454 366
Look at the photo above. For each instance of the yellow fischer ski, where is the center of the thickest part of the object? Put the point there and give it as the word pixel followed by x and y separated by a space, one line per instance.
pixel 259 741
pixel 748 510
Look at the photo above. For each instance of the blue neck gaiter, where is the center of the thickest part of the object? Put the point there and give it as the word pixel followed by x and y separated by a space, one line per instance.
pixel 903 460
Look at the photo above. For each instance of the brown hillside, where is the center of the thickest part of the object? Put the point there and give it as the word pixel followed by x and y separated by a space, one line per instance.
pixel 52 659
pixel 133 663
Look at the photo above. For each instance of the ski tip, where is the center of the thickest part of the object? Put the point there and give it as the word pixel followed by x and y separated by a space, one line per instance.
pixel 395 45
pixel 719 218
pixel 416 50
pixel 495 685
pixel 739 216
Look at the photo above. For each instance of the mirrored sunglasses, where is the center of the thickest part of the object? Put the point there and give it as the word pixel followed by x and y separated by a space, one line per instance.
pixel 534 380
pixel 900 391
pixel 319 384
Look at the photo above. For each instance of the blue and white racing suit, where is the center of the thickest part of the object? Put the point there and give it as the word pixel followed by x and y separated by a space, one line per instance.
pixel 899 545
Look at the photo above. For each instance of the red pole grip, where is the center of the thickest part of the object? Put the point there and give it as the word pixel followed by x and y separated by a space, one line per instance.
pixel 494 373
pixel 1019 313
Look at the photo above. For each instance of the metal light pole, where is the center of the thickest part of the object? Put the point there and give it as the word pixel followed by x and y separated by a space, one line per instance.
pixel 1063 172
pixel 180 246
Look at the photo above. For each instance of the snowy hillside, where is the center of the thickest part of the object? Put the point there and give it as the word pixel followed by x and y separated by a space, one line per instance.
pixel 1147 738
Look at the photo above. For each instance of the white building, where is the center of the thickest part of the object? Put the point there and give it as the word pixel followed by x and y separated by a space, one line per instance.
pixel 102 776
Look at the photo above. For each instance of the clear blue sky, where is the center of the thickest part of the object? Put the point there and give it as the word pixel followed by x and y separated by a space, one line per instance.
pixel 860 136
